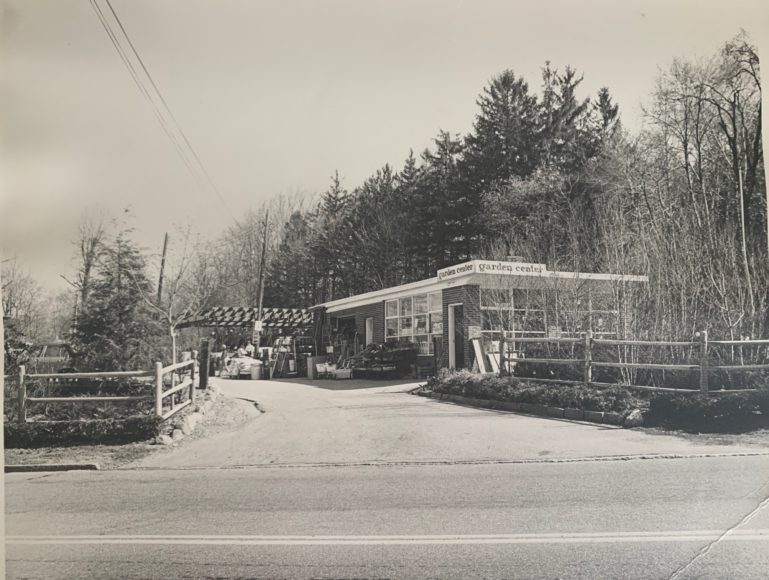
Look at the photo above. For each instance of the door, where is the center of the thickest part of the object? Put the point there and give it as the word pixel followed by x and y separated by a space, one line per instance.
pixel 369 331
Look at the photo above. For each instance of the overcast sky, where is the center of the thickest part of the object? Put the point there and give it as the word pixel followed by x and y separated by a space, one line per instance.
pixel 275 96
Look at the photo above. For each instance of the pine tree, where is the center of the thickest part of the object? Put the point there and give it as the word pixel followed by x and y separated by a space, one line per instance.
pixel 118 331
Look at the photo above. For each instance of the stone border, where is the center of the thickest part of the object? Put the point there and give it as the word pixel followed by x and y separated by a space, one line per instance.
pixel 185 422
pixel 632 419
pixel 52 467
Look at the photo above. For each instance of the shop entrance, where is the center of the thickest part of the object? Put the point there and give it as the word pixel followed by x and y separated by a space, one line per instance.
pixel 456 337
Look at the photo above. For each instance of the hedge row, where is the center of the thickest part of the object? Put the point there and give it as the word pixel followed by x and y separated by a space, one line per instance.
pixel 102 431
pixel 476 386
pixel 730 413
pixel 714 413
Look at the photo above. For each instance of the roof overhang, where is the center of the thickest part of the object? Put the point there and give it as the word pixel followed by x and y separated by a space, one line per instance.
pixel 491 274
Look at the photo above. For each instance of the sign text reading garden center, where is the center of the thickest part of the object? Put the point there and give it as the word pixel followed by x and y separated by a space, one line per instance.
pixel 491 267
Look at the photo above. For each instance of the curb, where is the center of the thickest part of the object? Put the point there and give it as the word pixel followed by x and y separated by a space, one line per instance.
pixel 600 418
pixel 52 467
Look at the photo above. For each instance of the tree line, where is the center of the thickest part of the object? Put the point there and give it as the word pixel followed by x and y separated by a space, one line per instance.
pixel 543 174
pixel 556 179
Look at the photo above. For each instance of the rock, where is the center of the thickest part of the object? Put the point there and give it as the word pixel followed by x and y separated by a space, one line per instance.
pixel 634 419
pixel 177 435
pixel 163 440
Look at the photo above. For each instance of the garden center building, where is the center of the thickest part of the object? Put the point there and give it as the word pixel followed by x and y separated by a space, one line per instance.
pixel 480 299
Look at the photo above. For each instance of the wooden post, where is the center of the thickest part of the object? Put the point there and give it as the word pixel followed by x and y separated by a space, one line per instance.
pixel 159 389
pixel 204 364
pixel 704 361
pixel 22 395
pixel 192 375
pixel 588 368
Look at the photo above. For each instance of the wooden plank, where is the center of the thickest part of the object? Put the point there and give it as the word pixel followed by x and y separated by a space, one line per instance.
pixel 494 361
pixel 180 387
pixel 87 399
pixel 176 409
pixel 740 342
pixel 539 380
pixel 555 361
pixel 480 356
pixel 740 367
pixel 661 367
pixel 642 342
pixel 177 366
pixel 534 339
pixel 115 374
pixel 693 391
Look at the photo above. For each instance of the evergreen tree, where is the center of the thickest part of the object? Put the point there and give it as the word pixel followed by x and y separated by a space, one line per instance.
pixel 118 331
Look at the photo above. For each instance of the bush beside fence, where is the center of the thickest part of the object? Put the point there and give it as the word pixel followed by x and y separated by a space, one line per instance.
pixel 97 431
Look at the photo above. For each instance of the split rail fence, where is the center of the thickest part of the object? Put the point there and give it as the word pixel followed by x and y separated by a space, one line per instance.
pixel 168 401
pixel 704 367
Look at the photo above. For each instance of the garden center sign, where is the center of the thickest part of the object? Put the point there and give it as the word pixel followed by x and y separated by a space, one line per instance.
pixel 491 267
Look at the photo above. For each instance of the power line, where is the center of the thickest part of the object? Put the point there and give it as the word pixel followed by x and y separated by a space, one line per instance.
pixel 188 154
pixel 168 109
pixel 140 85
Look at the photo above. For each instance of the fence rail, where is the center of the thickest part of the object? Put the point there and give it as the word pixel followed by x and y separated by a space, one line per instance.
pixel 176 402
pixel 587 363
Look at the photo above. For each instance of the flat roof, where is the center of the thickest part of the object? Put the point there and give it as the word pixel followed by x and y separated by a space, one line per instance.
pixel 492 272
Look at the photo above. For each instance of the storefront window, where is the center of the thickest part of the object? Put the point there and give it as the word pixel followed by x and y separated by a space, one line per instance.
pixel 415 318
pixel 391 326
pixel 420 322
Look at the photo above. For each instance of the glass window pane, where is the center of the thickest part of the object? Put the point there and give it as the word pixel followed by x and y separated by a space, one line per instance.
pixel 436 323
pixel 420 304
pixel 420 322
pixel 495 298
pixel 392 328
pixel 405 306
pixel 391 308
pixel 406 325
pixel 436 301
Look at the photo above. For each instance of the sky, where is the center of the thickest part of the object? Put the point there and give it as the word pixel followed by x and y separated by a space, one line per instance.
pixel 274 96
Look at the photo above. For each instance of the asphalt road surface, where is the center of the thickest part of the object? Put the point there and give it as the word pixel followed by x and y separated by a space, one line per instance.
pixel 373 513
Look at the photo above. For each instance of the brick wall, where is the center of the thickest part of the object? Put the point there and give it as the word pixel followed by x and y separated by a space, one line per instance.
pixel 470 298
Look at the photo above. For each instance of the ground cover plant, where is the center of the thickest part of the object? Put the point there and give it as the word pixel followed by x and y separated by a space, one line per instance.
pixel 692 412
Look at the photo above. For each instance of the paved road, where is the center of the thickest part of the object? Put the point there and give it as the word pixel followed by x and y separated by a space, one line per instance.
pixel 309 425
pixel 377 483
pixel 606 519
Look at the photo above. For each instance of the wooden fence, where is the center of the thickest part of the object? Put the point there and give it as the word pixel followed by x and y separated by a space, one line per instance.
pixel 176 398
pixel 703 348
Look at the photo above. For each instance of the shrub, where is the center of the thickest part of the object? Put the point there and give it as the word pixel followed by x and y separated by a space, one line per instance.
pixel 102 431
pixel 734 412
pixel 476 386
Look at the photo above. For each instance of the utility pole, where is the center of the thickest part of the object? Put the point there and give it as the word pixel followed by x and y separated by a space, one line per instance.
pixel 162 268
pixel 262 261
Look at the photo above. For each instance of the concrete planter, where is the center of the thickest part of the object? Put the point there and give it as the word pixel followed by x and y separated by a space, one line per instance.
pixel 575 414
pixel 555 412
pixel 594 416
pixel 510 406
pixel 613 418
pixel 534 409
